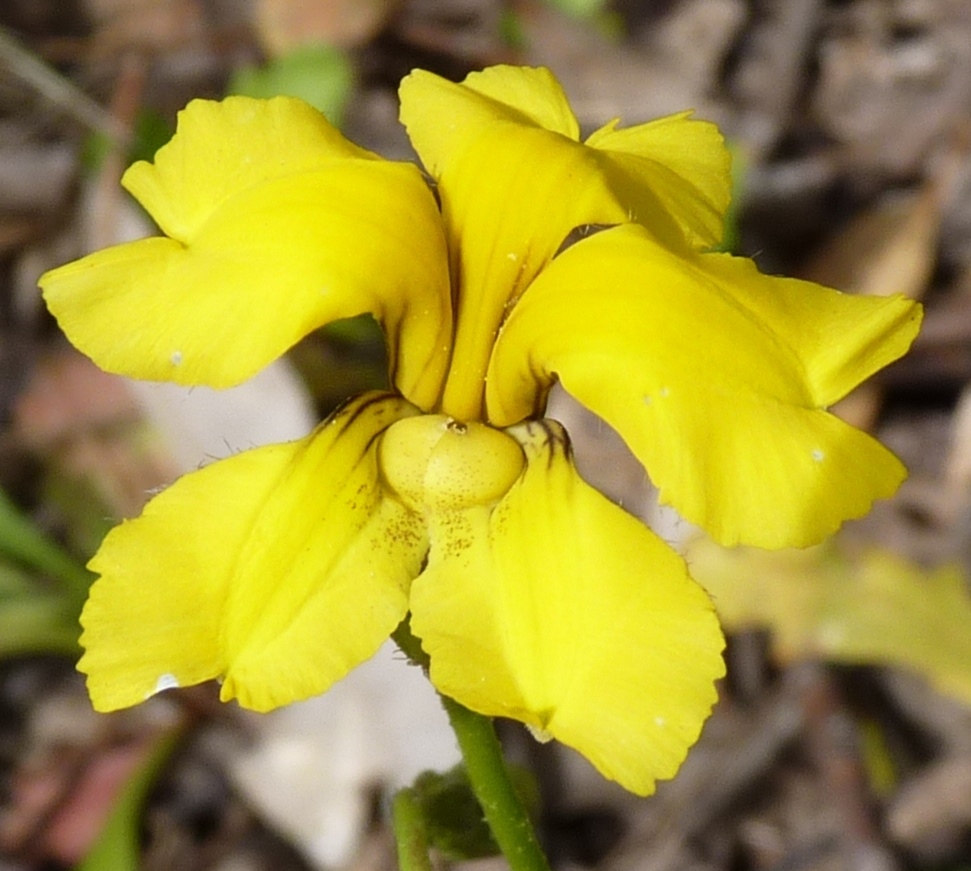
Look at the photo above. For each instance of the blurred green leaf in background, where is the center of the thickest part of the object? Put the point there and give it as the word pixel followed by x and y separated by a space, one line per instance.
pixel 320 75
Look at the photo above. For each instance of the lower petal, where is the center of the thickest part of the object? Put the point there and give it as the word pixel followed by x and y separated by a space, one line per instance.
pixel 559 609
pixel 279 569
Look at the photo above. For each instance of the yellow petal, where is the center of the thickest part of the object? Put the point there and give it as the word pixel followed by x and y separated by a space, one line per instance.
pixel 276 226
pixel 559 609
pixel 519 95
pixel 508 200
pixel 278 569
pixel 675 164
pixel 716 376
pixel 514 182
pixel 224 148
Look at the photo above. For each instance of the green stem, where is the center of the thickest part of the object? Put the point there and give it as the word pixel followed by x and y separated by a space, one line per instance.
pixel 486 768
pixel 409 832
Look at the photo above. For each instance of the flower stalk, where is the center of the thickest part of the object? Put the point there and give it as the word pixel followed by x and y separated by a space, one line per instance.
pixel 486 768
pixel 489 776
pixel 409 832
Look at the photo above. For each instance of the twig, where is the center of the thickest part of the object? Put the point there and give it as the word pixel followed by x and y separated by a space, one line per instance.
pixel 56 89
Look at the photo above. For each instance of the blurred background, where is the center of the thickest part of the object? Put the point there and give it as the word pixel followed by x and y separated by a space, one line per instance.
pixel 843 736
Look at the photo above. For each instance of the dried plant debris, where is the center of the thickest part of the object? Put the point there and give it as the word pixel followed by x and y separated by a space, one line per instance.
pixel 874 609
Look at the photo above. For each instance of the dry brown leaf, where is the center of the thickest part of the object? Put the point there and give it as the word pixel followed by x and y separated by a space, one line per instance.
pixel 934 807
pixel 284 25
pixel 875 609
pixel 891 78
pixel 957 476
pixel 151 26
pixel 88 427
pixel 891 248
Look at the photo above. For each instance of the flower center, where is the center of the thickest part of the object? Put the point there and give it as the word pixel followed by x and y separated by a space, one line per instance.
pixel 434 463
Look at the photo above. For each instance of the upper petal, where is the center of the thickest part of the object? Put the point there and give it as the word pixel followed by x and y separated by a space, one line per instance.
pixel 441 115
pixel 673 174
pixel 716 376
pixel 279 569
pixel 276 225
pixel 559 609
pixel 514 181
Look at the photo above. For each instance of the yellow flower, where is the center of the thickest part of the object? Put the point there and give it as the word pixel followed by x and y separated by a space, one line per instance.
pixel 280 569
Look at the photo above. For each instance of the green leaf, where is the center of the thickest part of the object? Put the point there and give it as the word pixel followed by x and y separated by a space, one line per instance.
pixel 37 622
pixel 151 131
pixel 32 619
pixel 511 30
pixel 318 74
pixel 732 236
pixel 23 543
pixel 35 618
pixel 117 848
pixel 454 822
pixel 579 8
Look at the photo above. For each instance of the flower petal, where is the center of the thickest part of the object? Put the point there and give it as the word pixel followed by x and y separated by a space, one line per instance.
pixel 716 376
pixel 559 609
pixel 514 182
pixel 675 164
pixel 531 97
pixel 276 226
pixel 280 569
pixel 223 148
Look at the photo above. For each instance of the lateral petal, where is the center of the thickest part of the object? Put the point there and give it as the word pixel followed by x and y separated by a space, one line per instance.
pixel 675 164
pixel 278 569
pixel 559 609
pixel 276 225
pixel 717 377
pixel 224 147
